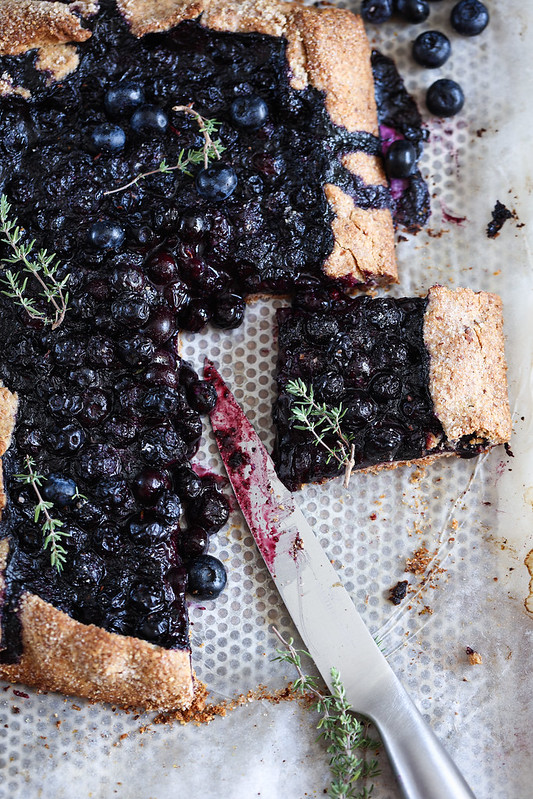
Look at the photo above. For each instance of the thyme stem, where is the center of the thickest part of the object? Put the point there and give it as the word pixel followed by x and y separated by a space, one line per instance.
pixel 212 148
pixel 346 735
pixel 51 527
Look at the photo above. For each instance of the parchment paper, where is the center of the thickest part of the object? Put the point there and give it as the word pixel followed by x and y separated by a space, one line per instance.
pixel 474 517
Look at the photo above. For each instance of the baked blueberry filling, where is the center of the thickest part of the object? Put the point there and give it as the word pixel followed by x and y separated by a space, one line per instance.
pixel 367 358
pixel 109 413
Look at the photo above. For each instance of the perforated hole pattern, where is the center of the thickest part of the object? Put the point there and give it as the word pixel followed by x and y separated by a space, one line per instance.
pixel 56 747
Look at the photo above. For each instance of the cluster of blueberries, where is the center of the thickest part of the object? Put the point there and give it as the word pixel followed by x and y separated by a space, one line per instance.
pixel 431 49
pixel 127 101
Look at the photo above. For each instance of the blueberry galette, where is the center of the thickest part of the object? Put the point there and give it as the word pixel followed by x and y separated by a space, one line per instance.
pixel 158 162
pixel 380 382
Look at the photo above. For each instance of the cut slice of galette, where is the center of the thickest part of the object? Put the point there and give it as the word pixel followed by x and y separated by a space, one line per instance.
pixel 398 380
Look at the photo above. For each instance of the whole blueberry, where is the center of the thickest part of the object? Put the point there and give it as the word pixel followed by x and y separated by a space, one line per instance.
pixel 207 577
pixel 149 484
pixel 123 99
pixel 59 490
pixel 413 10
pixel 188 484
pixel 400 160
pixel 192 226
pixel 249 111
pixel 130 309
pixel 469 17
pixel 192 542
pixel 106 235
pixel 228 311
pixel 445 98
pixel 376 11
pixel 431 49
pixel 217 182
pixel 108 138
pixel 149 120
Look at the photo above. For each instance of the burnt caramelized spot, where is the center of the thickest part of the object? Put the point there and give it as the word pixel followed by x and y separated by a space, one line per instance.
pixel 368 356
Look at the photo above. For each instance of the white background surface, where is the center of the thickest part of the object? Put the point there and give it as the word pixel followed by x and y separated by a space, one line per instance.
pixel 53 747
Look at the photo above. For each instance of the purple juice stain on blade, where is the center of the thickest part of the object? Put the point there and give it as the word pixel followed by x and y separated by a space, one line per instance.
pixel 246 461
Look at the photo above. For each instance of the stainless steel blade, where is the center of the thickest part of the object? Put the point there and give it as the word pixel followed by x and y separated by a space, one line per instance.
pixel 332 629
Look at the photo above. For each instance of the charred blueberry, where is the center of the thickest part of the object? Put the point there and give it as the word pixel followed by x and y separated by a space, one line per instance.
pixel 413 10
pixel 149 120
pixel 445 98
pixel 210 510
pixel 376 11
pixel 217 182
pixel 108 138
pixel 60 490
pixel 106 235
pixel 123 99
pixel 202 396
pixel 229 311
pixel 400 160
pixel 431 49
pixel 469 17
pixel 207 577
pixel 249 111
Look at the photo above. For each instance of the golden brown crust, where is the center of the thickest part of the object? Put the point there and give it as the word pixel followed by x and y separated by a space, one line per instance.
pixel 61 654
pixel 47 27
pixel 463 333
pixel 363 250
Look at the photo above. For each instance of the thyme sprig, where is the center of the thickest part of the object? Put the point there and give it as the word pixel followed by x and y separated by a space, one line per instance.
pixel 346 735
pixel 39 265
pixel 212 148
pixel 321 421
pixel 52 528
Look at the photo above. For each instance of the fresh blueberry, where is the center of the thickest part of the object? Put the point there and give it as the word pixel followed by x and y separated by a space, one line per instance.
pixel 376 11
pixel 431 49
pixel 207 577
pixel 469 17
pixel 106 235
pixel 108 138
pixel 149 120
pixel 445 98
pixel 217 182
pixel 413 10
pixel 400 160
pixel 59 490
pixel 123 99
pixel 249 111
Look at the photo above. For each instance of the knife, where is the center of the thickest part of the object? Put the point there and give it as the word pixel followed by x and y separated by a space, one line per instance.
pixel 322 610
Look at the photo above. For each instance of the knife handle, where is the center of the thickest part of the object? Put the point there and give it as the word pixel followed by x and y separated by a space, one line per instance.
pixel 423 768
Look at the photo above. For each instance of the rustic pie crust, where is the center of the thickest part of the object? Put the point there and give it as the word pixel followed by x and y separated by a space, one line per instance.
pixel 327 49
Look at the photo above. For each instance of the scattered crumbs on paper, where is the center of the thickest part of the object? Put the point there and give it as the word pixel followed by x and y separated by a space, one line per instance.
pixel 474 658
pixel 419 562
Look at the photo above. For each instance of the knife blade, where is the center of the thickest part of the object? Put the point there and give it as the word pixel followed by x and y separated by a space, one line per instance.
pixel 333 631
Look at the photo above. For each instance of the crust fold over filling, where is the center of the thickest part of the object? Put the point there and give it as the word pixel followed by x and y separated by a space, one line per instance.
pixel 463 333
